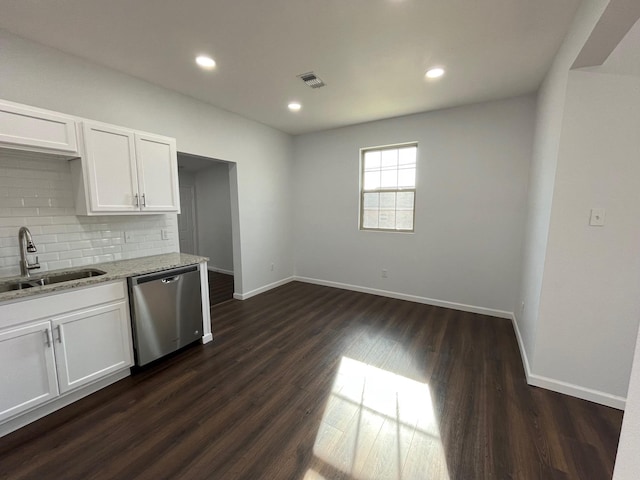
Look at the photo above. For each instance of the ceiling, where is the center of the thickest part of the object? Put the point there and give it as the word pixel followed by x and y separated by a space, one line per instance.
pixel 372 54
pixel 624 60
pixel 613 26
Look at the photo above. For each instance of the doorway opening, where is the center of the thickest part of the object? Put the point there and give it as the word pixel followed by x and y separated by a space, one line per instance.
pixel 208 200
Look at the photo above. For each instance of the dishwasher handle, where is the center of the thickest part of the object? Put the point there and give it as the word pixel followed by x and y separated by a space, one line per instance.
pixel 167 276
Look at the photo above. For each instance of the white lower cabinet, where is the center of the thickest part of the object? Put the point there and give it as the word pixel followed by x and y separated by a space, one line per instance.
pixel 90 344
pixel 55 344
pixel 27 368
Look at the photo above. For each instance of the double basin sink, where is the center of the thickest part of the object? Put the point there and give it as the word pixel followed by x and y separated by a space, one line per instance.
pixel 51 279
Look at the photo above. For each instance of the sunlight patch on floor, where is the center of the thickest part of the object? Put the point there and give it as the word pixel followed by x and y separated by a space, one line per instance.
pixel 313 475
pixel 380 425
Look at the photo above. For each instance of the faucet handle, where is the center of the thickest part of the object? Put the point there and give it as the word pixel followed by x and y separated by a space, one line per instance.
pixel 33 266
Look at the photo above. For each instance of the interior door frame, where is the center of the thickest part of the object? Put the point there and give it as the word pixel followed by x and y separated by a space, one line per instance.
pixel 194 211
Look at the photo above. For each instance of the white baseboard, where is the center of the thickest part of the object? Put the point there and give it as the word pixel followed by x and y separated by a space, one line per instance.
pixel 584 393
pixel 411 298
pixel 207 338
pixel 565 388
pixel 258 291
pixel 219 270
pixel 523 352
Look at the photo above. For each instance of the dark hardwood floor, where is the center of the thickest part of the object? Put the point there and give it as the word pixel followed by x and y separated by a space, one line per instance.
pixel 220 287
pixel 310 383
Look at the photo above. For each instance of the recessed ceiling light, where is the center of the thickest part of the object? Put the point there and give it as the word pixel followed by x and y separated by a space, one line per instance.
pixel 294 106
pixel 206 62
pixel 436 72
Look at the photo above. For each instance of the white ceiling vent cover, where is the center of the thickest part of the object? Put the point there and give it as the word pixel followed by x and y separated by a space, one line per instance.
pixel 312 80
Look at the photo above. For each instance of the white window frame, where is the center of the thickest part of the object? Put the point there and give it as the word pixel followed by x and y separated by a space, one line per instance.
pixel 381 189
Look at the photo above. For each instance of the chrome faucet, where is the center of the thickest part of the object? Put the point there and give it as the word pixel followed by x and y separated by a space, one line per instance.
pixel 26 245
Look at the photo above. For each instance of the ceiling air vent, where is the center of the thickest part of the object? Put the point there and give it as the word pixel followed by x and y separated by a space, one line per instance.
pixel 311 80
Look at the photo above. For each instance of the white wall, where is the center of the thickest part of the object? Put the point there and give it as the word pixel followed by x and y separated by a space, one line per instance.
pixel 39 195
pixel 590 299
pixel 550 106
pixel 37 75
pixel 213 198
pixel 470 205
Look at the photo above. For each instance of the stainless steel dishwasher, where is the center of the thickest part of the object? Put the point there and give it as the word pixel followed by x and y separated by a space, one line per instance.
pixel 166 312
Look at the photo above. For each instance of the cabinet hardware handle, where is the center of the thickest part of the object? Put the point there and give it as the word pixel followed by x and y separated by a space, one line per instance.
pixel 47 336
pixel 144 200
pixel 137 201
pixel 59 333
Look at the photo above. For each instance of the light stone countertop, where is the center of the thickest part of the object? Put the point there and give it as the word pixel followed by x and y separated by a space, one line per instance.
pixel 113 271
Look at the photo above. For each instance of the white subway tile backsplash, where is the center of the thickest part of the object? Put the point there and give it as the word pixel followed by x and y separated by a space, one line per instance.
pixel 9 251
pixel 81 245
pixel 48 238
pixel 52 247
pixel 59 264
pixel 70 254
pixel 38 194
pixel 68 237
pixel 81 262
pixel 46 257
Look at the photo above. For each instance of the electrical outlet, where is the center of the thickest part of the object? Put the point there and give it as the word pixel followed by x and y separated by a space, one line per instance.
pixel 165 234
pixel 128 237
pixel 384 273
pixel 272 267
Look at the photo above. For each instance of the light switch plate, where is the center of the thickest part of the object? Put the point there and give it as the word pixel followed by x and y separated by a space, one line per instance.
pixel 597 217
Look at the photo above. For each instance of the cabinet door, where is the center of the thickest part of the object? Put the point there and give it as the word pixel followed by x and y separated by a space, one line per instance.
pixel 27 369
pixel 25 128
pixel 111 168
pixel 157 173
pixel 92 343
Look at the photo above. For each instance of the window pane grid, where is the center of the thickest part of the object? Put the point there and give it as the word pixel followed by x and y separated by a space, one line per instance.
pixel 388 210
pixel 388 188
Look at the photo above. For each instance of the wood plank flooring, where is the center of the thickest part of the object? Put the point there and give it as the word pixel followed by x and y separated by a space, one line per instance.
pixel 313 383
pixel 220 287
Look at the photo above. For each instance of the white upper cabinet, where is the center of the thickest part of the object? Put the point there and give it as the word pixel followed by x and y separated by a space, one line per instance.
pixel 115 170
pixel 35 130
pixel 110 168
pixel 125 172
pixel 157 173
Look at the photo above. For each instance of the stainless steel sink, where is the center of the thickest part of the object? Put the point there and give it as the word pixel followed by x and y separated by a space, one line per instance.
pixel 49 279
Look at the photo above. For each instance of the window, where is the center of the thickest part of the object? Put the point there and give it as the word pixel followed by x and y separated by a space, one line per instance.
pixel 388 187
